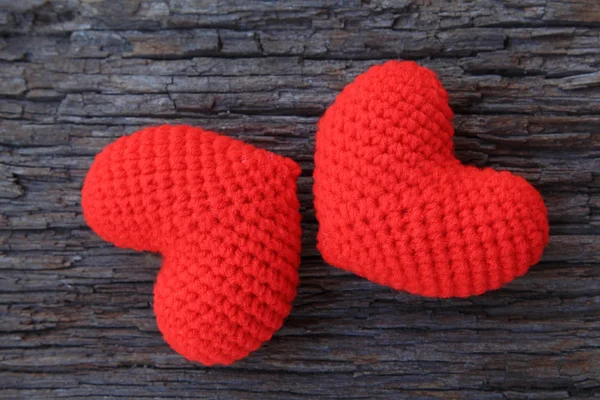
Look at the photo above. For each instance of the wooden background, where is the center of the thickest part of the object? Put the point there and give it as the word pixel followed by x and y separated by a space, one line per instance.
pixel 76 315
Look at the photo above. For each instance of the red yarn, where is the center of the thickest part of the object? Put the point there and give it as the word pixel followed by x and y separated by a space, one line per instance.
pixel 223 214
pixel 395 206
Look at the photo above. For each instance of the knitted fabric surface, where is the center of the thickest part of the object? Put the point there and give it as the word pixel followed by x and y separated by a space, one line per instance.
pixel 223 214
pixel 395 206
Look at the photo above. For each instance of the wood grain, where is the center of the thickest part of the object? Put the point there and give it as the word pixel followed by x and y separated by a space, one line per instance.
pixel 76 316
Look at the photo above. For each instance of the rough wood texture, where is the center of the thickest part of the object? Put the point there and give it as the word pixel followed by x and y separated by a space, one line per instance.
pixel 76 316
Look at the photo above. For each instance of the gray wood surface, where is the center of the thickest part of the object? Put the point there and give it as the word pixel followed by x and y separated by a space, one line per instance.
pixel 76 315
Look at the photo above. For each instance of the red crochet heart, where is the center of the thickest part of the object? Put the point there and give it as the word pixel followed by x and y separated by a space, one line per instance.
pixel 395 206
pixel 223 214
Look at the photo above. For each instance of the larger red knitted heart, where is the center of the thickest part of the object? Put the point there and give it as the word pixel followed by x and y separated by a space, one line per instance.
pixel 223 214
pixel 395 206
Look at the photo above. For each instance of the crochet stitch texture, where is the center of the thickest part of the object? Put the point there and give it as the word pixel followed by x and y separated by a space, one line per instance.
pixel 223 214
pixel 395 206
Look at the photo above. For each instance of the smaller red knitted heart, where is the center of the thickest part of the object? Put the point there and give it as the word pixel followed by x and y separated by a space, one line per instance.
pixel 394 205
pixel 223 214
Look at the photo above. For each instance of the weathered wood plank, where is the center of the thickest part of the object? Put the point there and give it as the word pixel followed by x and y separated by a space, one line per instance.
pixel 76 313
